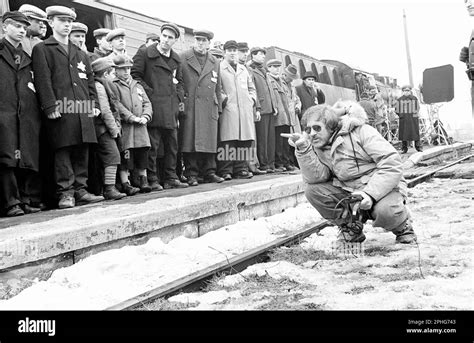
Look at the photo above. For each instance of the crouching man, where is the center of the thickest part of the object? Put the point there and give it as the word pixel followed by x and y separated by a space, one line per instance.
pixel 340 156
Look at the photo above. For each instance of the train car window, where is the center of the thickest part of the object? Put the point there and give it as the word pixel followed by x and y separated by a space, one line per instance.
pixel 287 60
pixel 302 67
pixel 314 69
pixel 336 78
pixel 326 79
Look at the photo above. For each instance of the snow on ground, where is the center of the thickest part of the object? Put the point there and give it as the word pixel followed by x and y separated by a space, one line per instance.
pixel 109 277
pixel 437 274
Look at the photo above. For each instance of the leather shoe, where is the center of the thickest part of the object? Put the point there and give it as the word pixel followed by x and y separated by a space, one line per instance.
pixel 213 178
pixel 289 167
pixel 257 171
pixel 192 181
pixel 66 201
pixel 175 184
pixel 279 169
pixel 155 186
pixel 27 208
pixel 15 211
pixel 243 174
pixel 85 197
pixel 227 177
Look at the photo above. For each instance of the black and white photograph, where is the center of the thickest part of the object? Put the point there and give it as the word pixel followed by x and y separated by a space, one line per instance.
pixel 265 159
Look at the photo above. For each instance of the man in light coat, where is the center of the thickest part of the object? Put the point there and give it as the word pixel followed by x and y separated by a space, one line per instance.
pixel 236 123
pixel 198 128
pixel 373 173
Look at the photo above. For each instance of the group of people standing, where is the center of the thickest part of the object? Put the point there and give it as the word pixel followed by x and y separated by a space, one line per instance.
pixel 80 127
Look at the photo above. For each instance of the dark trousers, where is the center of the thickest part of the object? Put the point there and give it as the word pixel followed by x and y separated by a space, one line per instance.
pixel 233 156
pixel 265 129
pixel 199 163
pixel 18 186
pixel 71 168
pixel 169 139
pixel 282 148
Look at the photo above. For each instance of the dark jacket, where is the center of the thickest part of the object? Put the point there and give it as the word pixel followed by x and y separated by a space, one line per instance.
pixel 307 96
pixel 202 94
pixel 266 99
pixel 407 108
pixel 163 84
pixel 98 54
pixel 66 83
pixel 20 118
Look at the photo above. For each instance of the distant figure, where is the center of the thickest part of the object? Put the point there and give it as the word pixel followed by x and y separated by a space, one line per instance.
pixel 308 94
pixel 78 35
pixel 217 53
pixel 243 51
pixel 103 48
pixel 407 108
pixel 37 28
pixel 116 39
pixel 151 38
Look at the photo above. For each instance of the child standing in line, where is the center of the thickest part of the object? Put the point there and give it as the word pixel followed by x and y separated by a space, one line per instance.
pixel 108 128
pixel 135 111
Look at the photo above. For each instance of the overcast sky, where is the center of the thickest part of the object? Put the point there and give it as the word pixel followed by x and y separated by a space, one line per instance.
pixel 366 34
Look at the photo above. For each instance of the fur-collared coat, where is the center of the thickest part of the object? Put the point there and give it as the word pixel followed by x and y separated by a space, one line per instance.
pixel 20 118
pixel 239 96
pixel 201 105
pixel 357 158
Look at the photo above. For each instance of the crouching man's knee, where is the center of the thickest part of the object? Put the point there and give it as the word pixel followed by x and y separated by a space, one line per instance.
pixel 324 197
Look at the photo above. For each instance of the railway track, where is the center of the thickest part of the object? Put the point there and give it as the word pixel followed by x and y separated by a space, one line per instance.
pixel 197 280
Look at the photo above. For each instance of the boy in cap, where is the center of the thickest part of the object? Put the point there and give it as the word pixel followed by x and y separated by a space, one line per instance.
pixel 198 128
pixel 34 32
pixel 243 51
pixel 282 119
pixel 118 44
pixel 158 69
pixel 20 122
pixel 151 38
pixel 107 126
pixel 217 53
pixel 103 48
pixel 78 35
pixel 135 110
pixel 67 94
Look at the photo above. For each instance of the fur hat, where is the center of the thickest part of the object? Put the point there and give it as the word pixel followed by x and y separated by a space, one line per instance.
pixel 354 115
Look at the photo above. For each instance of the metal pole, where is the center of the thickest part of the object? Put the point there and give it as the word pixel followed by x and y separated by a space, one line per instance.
pixel 410 71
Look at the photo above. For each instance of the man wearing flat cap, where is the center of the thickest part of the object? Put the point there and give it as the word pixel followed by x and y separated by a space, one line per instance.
pixel 217 53
pixel 308 93
pixel 103 48
pixel 78 35
pixel 118 44
pixel 407 108
pixel 266 105
pixel 158 69
pixel 63 79
pixel 151 38
pixel 34 32
pixel 198 128
pixel 20 122
pixel 236 123
pixel 243 49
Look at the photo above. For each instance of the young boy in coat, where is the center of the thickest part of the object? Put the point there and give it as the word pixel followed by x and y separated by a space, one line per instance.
pixel 20 122
pixel 108 128
pixel 67 94
pixel 135 111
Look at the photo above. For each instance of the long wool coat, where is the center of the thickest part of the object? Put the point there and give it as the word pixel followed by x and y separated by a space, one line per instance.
pixel 20 118
pixel 162 82
pixel 133 102
pixel 283 116
pixel 238 94
pixel 65 83
pixel 407 108
pixel 202 97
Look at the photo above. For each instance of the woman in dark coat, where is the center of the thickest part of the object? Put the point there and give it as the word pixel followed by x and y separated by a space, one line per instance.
pixel 407 108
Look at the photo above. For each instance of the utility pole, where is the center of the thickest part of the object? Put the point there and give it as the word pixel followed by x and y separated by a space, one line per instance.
pixel 407 45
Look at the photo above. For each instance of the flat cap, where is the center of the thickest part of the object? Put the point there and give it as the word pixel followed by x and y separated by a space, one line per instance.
pixel 273 63
pixel 33 12
pixel 77 26
pixel 102 64
pixel 291 71
pixel 216 52
pixel 61 11
pixel 17 16
pixel 151 35
pixel 101 32
pixel 122 61
pixel 230 44
pixel 406 87
pixel 256 49
pixel 203 33
pixel 172 27
pixel 115 33
pixel 242 46
pixel 309 74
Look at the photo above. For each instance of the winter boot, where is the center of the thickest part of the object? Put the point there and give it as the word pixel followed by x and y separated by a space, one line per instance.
pixel 406 235
pixel 129 189
pixel 111 193
pixel 351 232
pixel 144 186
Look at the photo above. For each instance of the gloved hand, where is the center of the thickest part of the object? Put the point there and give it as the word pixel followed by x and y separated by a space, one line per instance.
pixel 366 202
